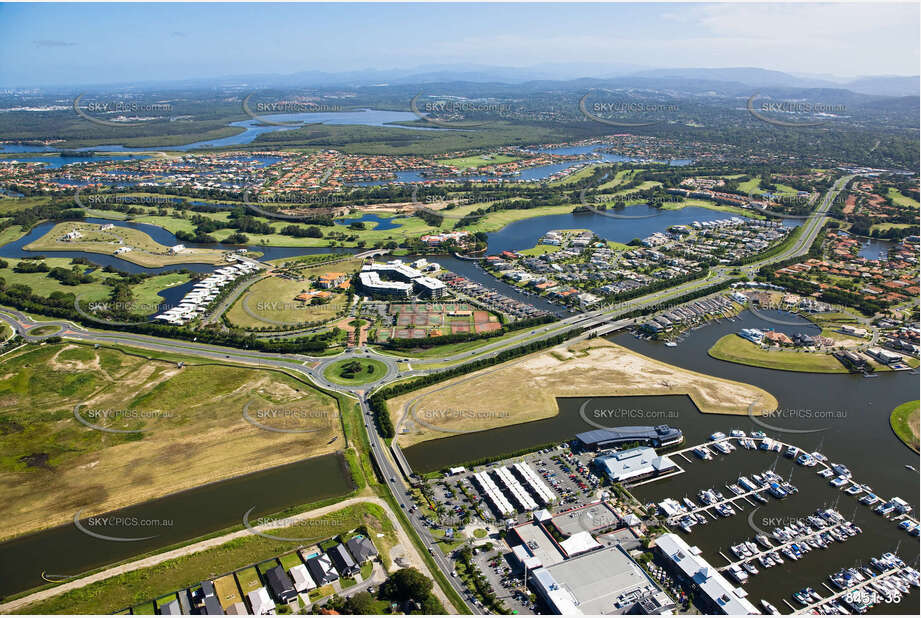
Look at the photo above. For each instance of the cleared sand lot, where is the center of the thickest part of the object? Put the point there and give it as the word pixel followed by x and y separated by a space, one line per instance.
pixel 192 429
pixel 526 389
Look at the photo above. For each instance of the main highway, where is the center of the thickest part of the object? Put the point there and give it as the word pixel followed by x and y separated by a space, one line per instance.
pixel 312 367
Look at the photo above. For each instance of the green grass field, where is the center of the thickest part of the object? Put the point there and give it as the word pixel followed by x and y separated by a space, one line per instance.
pixel 351 372
pixel 477 160
pixel 273 298
pixel 734 349
pixel 621 177
pixel 146 294
pixel 904 422
pixel 902 200
pixel 540 250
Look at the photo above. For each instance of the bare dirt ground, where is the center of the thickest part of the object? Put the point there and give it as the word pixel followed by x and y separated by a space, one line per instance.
pixel 526 389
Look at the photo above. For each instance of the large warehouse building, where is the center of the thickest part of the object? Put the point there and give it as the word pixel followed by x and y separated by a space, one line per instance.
pixel 605 581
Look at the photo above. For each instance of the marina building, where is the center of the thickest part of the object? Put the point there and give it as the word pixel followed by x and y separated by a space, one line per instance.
pixel 660 435
pixel 633 464
pixel 715 595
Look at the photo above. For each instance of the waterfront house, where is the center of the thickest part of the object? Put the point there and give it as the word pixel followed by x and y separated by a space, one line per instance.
pixel 322 570
pixel 261 602
pixel 343 561
pixel 281 585
pixel 361 548
pixel 302 580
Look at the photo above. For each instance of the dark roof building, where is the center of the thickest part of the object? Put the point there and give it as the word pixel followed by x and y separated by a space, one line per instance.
pixel 322 570
pixel 170 608
pixel 361 548
pixel 213 606
pixel 660 435
pixel 343 561
pixel 280 584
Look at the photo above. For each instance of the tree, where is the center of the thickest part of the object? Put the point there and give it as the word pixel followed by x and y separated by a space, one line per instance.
pixel 360 603
pixel 407 584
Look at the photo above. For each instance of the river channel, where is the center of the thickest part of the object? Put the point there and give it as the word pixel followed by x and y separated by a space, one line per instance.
pixel 65 551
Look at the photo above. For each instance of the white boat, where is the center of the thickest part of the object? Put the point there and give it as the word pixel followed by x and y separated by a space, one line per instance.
pixel 671 344
pixel 736 572
pixel 770 609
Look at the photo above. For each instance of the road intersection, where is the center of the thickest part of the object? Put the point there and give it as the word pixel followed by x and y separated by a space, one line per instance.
pixel 313 367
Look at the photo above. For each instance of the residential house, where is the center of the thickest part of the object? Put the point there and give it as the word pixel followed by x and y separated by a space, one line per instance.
pixel 302 580
pixel 281 585
pixel 361 548
pixel 261 602
pixel 342 560
pixel 322 570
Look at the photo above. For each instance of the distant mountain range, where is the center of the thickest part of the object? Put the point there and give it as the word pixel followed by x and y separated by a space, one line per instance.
pixel 624 74
pixel 699 80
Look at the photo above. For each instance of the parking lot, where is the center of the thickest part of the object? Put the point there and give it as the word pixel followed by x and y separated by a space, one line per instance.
pixel 567 474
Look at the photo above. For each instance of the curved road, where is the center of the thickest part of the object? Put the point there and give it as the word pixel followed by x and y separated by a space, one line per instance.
pixel 313 367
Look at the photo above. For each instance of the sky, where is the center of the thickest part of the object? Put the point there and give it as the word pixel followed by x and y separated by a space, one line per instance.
pixel 72 44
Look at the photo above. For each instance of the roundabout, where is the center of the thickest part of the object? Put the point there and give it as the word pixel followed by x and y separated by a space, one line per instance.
pixel 355 371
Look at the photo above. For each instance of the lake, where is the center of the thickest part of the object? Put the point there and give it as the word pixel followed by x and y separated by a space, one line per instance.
pixel 253 128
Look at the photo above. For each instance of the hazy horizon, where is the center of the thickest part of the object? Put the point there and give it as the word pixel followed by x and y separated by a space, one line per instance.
pixel 81 44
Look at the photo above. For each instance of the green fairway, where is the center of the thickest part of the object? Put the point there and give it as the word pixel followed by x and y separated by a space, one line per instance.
pixel 350 372
pixel 476 161
pixel 904 422
pixel 540 250
pixel 901 200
